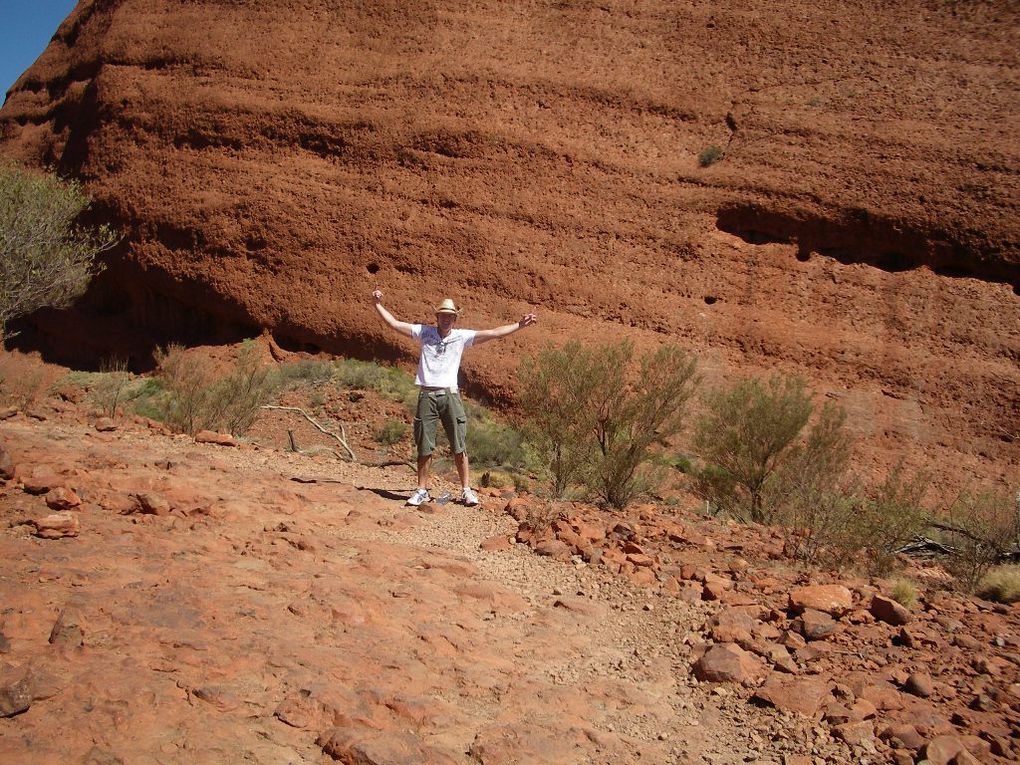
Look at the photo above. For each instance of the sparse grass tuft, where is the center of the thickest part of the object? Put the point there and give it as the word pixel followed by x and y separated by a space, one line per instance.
pixel 710 155
pixel 1001 585
pixel 905 593
pixel 391 432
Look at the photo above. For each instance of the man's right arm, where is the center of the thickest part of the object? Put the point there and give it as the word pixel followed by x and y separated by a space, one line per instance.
pixel 400 326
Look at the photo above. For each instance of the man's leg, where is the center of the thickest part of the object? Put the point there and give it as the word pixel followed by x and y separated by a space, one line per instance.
pixel 424 466
pixel 463 469
pixel 426 422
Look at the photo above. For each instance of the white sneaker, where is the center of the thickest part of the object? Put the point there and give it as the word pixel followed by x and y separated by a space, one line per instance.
pixel 469 498
pixel 419 497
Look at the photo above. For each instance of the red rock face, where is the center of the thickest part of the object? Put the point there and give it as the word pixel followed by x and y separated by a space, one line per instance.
pixel 272 163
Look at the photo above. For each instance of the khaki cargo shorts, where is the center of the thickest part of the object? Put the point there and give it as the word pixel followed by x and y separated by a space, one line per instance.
pixel 435 406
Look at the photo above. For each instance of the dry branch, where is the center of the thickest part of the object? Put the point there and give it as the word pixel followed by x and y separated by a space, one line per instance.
pixel 341 439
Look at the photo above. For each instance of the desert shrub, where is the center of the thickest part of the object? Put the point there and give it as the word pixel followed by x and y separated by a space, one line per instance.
pixel 24 380
pixel 304 372
pixel 1001 584
pixel 747 432
pixel 557 387
pixel 109 388
pixel 904 592
pixel 491 442
pixel 710 155
pixel 46 259
pixel 389 382
pixel 810 491
pixel 147 397
pixel 591 426
pixel 981 530
pixel 197 397
pixel 631 420
pixel 892 514
pixel 391 432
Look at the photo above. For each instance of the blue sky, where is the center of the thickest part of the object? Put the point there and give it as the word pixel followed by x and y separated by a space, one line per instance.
pixel 26 27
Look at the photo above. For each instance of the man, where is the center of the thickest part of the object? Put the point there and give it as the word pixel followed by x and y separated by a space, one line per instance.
pixel 438 399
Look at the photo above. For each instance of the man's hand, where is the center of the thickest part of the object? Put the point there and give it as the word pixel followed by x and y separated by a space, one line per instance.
pixel 527 320
pixel 377 295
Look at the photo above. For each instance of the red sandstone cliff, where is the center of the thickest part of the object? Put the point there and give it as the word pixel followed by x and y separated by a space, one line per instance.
pixel 271 163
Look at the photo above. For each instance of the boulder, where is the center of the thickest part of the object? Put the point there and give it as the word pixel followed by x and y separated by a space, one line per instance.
pixel 61 498
pixel 834 599
pixel 889 611
pixel 796 694
pixel 729 663
pixel 105 425
pixel 942 750
pixel 57 526
pixel 219 439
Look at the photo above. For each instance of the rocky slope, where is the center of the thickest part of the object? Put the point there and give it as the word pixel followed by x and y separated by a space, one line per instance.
pixel 168 601
pixel 270 164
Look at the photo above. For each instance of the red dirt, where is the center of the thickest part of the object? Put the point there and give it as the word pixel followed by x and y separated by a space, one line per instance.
pixel 270 164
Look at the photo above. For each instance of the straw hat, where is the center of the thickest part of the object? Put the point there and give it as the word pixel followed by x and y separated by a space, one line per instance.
pixel 447 306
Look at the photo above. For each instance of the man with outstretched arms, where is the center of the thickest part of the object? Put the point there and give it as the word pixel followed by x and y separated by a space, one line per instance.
pixel 438 400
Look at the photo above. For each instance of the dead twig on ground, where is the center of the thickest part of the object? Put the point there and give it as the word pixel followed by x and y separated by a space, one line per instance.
pixel 341 439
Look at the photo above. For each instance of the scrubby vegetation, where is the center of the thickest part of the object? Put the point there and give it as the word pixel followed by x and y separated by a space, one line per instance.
pixel 46 257
pixel 597 426
pixel 980 530
pixel 197 397
pixel 1001 584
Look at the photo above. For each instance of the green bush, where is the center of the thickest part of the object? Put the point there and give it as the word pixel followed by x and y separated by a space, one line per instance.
pixel 747 432
pixel 710 155
pixel 982 529
pixel 389 382
pixel 304 372
pixel 881 523
pixel 557 387
pixel 391 432
pixel 46 258
pixel 109 388
pixel 591 426
pixel 492 442
pixel 196 397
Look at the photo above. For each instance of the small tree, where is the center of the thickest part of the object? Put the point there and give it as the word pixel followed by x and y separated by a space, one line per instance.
pixel 747 432
pixel 631 419
pixel 557 390
pixel 892 514
pixel 591 425
pixel 46 259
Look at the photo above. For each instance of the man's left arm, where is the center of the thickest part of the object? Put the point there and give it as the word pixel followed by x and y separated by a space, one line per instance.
pixel 485 335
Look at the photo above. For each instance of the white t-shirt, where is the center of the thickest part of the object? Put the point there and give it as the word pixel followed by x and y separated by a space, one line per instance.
pixel 440 356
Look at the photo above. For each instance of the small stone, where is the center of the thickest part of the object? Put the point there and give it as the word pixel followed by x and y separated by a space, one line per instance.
pixel 834 599
pixel 61 498
pixel 15 690
pixel 889 611
pixel 151 503
pixel 105 425
pixel 919 684
pixel 943 750
pixel 219 439
pixel 902 736
pixel 6 465
pixel 57 526
pixel 728 663
pixel 854 733
pixel 815 625
pixel 496 543
pixel 40 480
pixel 798 694
pixel 68 630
